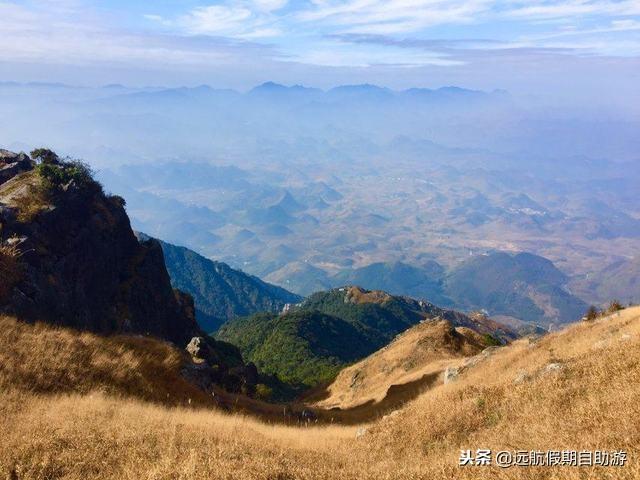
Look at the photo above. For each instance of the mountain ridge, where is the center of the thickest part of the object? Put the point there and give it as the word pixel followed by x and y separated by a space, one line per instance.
pixel 220 291
pixel 304 346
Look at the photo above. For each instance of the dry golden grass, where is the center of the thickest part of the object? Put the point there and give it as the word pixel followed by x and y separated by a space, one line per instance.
pixel 26 193
pixel 359 296
pixel 591 403
pixel 424 349
pixel 39 358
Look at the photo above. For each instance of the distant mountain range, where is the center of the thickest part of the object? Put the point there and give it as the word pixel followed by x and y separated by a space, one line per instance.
pixel 272 90
pixel 219 291
pixel 516 287
pixel 620 280
pixel 522 286
pixel 297 185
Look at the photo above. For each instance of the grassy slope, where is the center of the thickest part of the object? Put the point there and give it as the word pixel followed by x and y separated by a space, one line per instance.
pixel 422 350
pixel 42 359
pixel 590 404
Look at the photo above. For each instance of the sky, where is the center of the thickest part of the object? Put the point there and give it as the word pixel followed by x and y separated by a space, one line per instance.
pixel 585 48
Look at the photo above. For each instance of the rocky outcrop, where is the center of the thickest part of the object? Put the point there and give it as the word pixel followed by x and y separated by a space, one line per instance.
pixel 12 164
pixel 207 356
pixel 82 265
pixel 199 349
pixel 85 269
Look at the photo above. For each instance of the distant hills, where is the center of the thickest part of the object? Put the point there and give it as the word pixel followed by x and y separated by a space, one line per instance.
pixel 620 280
pixel 522 286
pixel 309 344
pixel 356 175
pixel 517 287
pixel 219 291
pixel 425 281
pixel 279 92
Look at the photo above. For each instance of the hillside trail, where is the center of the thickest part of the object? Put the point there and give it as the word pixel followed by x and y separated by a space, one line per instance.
pixel 305 411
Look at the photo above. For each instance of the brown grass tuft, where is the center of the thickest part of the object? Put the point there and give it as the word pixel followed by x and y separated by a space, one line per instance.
pixel 11 270
pixel 38 358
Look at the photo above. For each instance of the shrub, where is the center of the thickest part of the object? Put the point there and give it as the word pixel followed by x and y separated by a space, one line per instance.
pixel 614 306
pixel 118 201
pixel 62 173
pixel 491 341
pixel 45 156
pixel 58 175
pixel 263 392
pixel 592 313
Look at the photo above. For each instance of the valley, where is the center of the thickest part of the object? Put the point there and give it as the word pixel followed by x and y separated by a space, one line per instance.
pixel 310 188
pixel 105 371
pixel 319 240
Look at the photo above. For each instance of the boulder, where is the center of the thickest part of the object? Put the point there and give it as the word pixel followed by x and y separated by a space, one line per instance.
pixel 12 164
pixel 451 374
pixel 199 348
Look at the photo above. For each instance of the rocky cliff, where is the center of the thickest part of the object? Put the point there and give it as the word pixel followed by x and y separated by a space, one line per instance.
pixel 69 257
pixel 80 263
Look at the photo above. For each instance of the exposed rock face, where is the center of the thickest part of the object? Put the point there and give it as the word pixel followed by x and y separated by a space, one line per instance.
pixel 83 266
pixel 12 164
pixel 199 348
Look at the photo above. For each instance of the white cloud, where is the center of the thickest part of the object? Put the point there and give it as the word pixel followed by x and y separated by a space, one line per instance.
pixel 387 17
pixel 269 5
pixel 58 34
pixel 567 9
pixel 69 32
pixel 248 19
pixel 406 16
pixel 216 19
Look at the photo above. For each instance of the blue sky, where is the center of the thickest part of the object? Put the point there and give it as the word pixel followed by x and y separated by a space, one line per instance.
pixel 576 45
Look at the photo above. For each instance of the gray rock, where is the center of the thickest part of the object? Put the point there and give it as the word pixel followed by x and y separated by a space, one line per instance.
pixel 451 374
pixel 553 367
pixel 199 348
pixel 522 377
pixel 12 164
